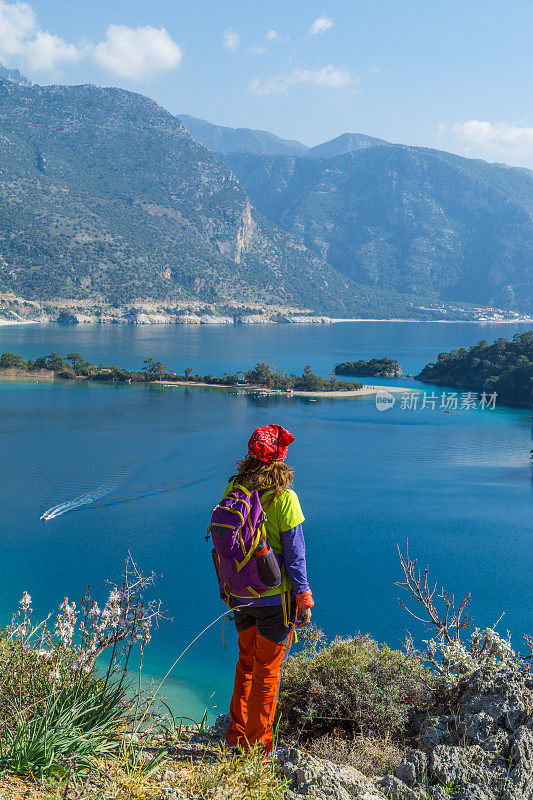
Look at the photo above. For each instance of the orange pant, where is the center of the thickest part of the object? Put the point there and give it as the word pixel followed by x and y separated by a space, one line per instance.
pixel 255 692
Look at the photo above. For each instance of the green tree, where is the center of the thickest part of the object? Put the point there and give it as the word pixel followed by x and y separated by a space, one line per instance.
pixel 12 361
pixel 155 369
pixel 56 363
pixel 77 362
pixel 188 373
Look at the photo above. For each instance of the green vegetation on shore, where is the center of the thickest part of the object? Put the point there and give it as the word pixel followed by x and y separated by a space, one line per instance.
pixel 377 367
pixel 264 376
pixel 504 367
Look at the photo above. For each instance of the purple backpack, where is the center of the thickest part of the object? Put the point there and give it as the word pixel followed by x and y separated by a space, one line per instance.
pixel 245 564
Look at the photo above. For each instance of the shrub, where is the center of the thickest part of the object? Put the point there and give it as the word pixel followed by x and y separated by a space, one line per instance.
pixel 353 685
pixel 58 714
pixel 79 722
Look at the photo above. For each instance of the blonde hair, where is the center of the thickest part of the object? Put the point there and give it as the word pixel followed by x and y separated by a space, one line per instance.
pixel 253 473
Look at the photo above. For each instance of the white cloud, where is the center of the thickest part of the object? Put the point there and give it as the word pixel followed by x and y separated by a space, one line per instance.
pixel 497 140
pixel 232 40
pixel 136 53
pixel 329 76
pixel 268 39
pixel 45 52
pixel 17 23
pixel 501 134
pixel 20 37
pixel 321 25
pixel 127 52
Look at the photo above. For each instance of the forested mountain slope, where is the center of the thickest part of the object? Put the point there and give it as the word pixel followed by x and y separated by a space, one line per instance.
pixel 406 219
pixel 105 194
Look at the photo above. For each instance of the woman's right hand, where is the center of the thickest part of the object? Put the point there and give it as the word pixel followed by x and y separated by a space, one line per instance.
pixel 303 617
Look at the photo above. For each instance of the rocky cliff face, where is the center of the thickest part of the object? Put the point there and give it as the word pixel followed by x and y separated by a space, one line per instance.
pixel 405 218
pixel 14 76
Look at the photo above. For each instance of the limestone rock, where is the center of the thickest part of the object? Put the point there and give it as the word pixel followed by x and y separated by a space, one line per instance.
pixel 522 748
pixel 413 768
pixel 253 319
pixel 505 696
pixel 396 789
pixel 519 785
pixel 484 751
pixel 210 319
pixel 434 731
pixel 324 780
pixel 475 792
pixel 460 765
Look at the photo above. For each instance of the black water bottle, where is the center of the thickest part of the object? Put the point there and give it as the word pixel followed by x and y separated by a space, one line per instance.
pixel 267 565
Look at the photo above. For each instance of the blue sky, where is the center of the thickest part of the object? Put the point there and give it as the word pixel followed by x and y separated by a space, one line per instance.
pixel 454 75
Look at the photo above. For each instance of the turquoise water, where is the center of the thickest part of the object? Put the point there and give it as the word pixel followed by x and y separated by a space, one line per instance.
pixel 457 485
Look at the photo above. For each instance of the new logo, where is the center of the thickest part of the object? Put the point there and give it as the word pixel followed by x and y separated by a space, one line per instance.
pixel 384 400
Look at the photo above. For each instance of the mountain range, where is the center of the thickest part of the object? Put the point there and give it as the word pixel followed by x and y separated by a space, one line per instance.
pixel 220 139
pixel 409 219
pixel 108 198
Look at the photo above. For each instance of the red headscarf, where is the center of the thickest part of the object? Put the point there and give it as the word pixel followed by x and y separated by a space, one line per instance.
pixel 270 443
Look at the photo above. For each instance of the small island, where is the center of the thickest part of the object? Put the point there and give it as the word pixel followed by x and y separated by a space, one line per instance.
pixel 504 367
pixel 263 376
pixel 376 367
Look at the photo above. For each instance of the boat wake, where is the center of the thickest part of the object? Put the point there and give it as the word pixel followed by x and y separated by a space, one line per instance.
pixel 83 499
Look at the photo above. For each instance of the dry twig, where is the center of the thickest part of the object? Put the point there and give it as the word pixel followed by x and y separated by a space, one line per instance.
pixel 449 621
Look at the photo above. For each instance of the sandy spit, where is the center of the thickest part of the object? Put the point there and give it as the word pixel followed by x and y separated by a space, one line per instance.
pixel 365 390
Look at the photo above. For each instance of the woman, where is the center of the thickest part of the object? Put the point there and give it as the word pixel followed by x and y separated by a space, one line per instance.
pixel 265 624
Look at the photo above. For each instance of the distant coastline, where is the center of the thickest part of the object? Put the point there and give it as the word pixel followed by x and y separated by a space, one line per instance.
pixel 262 379
pixel 16 310
pixel 266 321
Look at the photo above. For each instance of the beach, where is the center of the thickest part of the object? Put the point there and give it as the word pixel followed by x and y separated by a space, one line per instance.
pixel 364 390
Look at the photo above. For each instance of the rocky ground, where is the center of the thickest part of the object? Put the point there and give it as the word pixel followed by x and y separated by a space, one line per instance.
pixel 479 747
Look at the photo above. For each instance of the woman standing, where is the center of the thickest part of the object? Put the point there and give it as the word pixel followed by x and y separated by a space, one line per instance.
pixel 265 623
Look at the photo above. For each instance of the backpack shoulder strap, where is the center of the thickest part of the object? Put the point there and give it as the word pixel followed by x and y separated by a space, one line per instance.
pixel 242 488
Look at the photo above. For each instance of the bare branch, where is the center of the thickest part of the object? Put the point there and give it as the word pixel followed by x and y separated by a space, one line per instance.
pixel 449 622
pixel 529 644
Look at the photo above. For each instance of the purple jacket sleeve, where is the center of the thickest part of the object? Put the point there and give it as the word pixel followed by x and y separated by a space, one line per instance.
pixel 293 548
